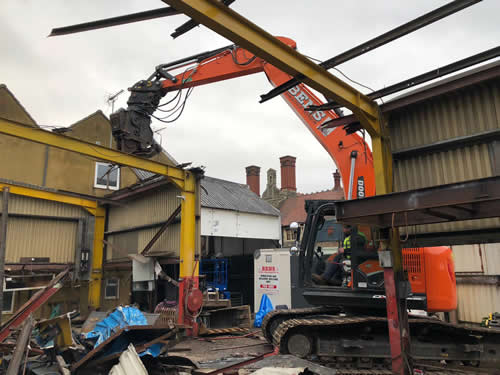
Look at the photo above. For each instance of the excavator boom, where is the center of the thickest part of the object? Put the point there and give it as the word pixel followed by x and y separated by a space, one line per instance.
pixel 349 151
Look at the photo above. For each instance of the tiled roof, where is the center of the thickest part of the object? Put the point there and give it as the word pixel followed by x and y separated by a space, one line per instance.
pixel 293 208
pixel 227 195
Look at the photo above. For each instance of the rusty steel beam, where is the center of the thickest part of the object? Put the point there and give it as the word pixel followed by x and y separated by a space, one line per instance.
pixel 164 227
pixel 37 300
pixel 398 32
pixel 421 78
pixel 470 200
pixel 114 21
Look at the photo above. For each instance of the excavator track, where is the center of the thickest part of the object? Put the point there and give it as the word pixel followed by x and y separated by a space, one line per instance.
pixel 359 343
pixel 274 318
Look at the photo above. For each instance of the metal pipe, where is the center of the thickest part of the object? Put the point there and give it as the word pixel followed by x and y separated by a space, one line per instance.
pixel 378 41
pixel 3 242
pixel 354 155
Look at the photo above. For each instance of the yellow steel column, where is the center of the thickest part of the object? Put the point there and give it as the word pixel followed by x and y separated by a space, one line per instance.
pixel 97 259
pixel 189 269
pixel 188 230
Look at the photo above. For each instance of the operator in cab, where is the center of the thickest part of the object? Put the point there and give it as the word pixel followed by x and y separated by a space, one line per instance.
pixel 333 272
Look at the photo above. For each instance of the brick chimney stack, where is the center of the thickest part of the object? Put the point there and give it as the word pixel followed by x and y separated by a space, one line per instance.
pixel 253 178
pixel 336 179
pixel 288 173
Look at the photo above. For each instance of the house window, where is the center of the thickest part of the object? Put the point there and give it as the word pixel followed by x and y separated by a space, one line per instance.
pixel 8 302
pixel 107 176
pixel 112 289
pixel 290 235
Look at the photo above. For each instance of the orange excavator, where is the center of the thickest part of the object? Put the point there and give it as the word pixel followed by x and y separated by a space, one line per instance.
pixel 359 335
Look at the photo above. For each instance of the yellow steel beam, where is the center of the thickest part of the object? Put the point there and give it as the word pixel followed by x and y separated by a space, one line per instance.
pixel 49 196
pixel 226 22
pixel 184 180
pixel 14 129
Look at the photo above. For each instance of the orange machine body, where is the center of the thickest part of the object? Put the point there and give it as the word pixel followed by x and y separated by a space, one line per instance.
pixel 431 271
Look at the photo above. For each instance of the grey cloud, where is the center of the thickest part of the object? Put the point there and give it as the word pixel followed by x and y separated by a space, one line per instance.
pixel 63 79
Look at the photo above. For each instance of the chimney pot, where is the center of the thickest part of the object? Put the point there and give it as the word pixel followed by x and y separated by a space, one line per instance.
pixel 288 180
pixel 253 178
pixel 336 179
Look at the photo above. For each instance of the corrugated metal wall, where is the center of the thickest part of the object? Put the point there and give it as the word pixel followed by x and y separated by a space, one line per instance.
pixel 476 301
pixel 19 204
pixel 483 259
pixel 40 237
pixel 464 112
pixel 477 267
pixel 146 209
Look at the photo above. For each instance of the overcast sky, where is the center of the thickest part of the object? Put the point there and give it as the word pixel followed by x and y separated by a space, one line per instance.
pixel 62 79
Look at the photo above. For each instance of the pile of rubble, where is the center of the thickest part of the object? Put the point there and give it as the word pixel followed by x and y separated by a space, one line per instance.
pixel 129 341
pixel 58 346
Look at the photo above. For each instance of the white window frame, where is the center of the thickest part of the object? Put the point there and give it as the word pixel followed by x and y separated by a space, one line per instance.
pixel 117 288
pixel 100 186
pixel 12 303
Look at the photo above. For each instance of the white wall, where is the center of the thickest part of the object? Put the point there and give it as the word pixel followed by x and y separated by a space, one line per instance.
pixel 225 223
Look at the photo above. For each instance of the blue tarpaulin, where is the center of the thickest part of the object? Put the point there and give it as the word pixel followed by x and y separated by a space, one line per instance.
pixel 265 306
pixel 121 317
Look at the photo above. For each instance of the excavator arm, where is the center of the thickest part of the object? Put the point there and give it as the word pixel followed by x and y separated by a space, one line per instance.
pixel 133 133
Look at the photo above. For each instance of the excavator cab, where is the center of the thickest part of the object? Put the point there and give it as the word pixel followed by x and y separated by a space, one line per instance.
pixel 359 283
pixel 430 270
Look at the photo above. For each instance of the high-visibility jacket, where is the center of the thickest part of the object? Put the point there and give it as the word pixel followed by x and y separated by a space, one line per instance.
pixel 347 241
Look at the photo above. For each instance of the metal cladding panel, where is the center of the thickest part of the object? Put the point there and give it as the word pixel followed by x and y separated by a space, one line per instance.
pixel 133 242
pixel 129 364
pixel 168 244
pixel 147 209
pixel 30 206
pixel 462 164
pixel 468 259
pixel 476 301
pixel 226 223
pixel 41 238
pixel 491 256
pixel 464 112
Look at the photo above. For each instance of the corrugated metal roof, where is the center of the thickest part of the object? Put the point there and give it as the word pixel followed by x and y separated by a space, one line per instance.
pixel 143 175
pixel 227 195
pixel 129 363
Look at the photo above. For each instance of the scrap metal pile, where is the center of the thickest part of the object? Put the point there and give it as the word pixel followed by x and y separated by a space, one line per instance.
pixel 56 346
